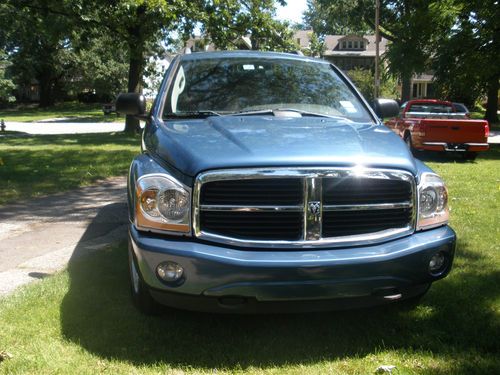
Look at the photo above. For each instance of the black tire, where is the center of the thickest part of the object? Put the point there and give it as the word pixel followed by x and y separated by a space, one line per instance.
pixel 408 142
pixel 470 155
pixel 412 302
pixel 141 298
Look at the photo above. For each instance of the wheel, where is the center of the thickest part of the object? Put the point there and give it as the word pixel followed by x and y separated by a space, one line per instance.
pixel 470 155
pixel 408 142
pixel 412 302
pixel 141 298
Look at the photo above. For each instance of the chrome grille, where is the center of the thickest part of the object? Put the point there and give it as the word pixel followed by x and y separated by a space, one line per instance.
pixel 303 207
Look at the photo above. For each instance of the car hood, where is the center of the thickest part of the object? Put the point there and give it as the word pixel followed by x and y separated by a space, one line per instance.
pixel 196 145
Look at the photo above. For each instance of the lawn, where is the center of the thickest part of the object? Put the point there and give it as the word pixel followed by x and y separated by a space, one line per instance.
pixel 34 166
pixel 72 111
pixel 82 321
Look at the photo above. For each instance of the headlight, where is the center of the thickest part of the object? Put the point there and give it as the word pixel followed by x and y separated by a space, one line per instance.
pixel 432 202
pixel 162 203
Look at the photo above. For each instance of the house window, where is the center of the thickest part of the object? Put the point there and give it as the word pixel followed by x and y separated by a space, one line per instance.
pixel 298 41
pixel 349 45
pixel 362 45
pixel 344 44
pixel 430 90
pixel 356 44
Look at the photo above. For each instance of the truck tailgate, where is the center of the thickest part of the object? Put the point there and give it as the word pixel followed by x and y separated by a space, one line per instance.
pixel 455 131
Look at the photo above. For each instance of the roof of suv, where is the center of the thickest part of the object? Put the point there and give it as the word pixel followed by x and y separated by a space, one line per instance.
pixel 254 54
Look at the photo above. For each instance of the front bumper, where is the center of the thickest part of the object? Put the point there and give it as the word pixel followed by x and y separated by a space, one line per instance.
pixel 228 279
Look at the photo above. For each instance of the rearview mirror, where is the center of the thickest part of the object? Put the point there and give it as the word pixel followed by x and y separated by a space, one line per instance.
pixel 385 108
pixel 131 103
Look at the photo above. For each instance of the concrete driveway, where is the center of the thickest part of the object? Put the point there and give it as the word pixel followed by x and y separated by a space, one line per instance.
pixel 37 238
pixel 64 126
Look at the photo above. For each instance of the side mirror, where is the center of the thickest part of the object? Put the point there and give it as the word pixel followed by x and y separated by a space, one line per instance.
pixel 131 103
pixel 385 108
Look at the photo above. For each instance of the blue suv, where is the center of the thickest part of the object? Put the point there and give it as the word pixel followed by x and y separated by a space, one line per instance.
pixel 266 183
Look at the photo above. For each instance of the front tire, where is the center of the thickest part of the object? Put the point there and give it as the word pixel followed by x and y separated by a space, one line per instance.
pixel 141 298
pixel 412 302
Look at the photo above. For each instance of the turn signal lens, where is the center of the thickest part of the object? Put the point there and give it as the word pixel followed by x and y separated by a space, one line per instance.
pixel 149 202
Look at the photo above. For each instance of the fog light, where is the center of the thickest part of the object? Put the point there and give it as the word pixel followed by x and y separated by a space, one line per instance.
pixel 437 262
pixel 169 271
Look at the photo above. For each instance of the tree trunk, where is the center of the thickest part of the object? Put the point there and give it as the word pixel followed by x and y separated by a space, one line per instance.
pixel 134 85
pixel 136 65
pixel 46 93
pixel 406 88
pixel 492 104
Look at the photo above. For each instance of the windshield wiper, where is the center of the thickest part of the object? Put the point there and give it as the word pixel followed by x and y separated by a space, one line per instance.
pixel 272 111
pixel 313 114
pixel 192 114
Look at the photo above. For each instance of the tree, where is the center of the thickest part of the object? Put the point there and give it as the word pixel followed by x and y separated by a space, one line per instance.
pixel 37 43
pixel 144 24
pixel 409 25
pixel 224 22
pixel 316 45
pixel 47 33
pixel 140 26
pixel 98 68
pixel 6 85
pixel 335 17
pixel 364 81
pixel 466 61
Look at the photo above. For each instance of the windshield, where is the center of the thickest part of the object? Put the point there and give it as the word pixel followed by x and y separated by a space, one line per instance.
pixel 242 85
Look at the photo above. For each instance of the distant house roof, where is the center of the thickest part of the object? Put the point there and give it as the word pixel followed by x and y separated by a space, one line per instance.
pixel 424 77
pixel 333 44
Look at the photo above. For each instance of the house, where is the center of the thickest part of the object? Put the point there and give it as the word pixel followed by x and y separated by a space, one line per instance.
pixel 349 52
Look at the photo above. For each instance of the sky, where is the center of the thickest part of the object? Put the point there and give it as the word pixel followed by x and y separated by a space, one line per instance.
pixel 293 11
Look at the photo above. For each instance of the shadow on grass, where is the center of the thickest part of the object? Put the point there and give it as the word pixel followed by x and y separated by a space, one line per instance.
pixel 427 156
pixel 454 322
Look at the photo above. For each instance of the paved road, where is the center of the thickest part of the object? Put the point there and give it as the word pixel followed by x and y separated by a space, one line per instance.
pixel 494 137
pixel 37 238
pixel 63 126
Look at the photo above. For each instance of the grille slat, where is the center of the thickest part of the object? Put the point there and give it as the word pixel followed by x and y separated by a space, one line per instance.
pixel 253 225
pixel 281 192
pixel 286 191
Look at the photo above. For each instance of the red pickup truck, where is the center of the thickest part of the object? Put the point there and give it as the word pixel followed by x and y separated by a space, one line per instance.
pixel 435 125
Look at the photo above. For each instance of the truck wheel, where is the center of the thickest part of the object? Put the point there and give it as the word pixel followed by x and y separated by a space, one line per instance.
pixel 408 142
pixel 470 155
pixel 141 298
pixel 412 302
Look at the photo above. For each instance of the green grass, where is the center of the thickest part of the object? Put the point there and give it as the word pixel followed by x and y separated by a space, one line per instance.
pixel 82 321
pixel 75 111
pixel 34 166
